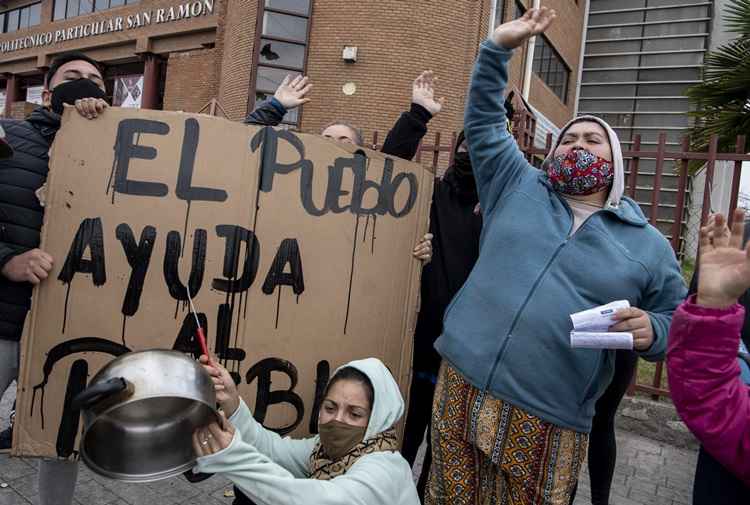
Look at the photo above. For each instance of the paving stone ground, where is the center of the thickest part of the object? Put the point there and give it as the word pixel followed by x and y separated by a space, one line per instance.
pixel 648 473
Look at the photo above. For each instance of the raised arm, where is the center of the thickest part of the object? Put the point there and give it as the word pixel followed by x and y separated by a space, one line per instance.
pixel 291 454
pixel 290 94
pixel 704 373
pixel 403 139
pixel 498 163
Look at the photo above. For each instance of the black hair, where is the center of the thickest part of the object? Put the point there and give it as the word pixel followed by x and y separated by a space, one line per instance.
pixel 64 58
pixel 353 374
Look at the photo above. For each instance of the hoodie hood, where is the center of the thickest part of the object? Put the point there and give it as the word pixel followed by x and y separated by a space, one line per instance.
pixel 461 178
pixel 618 184
pixel 388 405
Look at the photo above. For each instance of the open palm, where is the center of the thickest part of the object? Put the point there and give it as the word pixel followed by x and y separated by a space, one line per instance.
pixel 513 33
pixel 724 265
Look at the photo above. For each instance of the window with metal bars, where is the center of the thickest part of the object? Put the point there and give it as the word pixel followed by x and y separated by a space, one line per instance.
pixel 282 47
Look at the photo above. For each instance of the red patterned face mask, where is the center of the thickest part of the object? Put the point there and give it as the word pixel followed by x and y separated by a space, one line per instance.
pixel 579 172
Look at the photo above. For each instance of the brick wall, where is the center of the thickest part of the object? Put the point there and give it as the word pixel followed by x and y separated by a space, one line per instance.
pixel 20 110
pixel 235 41
pixel 397 39
pixel 191 80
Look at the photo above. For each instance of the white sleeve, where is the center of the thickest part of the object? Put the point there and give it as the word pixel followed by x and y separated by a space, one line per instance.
pixel 383 478
pixel 293 455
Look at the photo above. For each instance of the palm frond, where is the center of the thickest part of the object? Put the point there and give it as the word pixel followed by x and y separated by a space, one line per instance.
pixel 737 16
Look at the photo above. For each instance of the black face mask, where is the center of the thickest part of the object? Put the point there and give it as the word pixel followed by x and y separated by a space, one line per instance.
pixel 69 92
pixel 462 163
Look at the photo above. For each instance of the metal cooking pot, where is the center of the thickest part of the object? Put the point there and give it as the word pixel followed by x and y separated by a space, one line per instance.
pixel 140 412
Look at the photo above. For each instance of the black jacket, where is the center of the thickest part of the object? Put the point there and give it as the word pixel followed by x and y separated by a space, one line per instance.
pixel 21 214
pixel 455 249
pixel 402 141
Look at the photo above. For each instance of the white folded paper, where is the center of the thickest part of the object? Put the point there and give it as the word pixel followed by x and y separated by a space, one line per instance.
pixel 591 328
pixel 601 340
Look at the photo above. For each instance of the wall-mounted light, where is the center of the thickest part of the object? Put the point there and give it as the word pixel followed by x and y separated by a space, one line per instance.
pixel 349 54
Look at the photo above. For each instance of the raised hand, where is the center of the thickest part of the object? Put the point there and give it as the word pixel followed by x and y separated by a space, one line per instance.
pixel 423 93
pixel 724 265
pixel 513 33
pixel 292 93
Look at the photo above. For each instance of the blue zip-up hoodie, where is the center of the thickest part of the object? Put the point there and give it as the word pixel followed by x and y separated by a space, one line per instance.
pixel 508 328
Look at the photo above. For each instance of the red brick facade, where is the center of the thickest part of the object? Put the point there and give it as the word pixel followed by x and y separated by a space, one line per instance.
pixel 212 56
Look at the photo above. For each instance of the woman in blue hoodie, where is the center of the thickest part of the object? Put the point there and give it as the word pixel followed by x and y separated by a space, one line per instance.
pixel 514 401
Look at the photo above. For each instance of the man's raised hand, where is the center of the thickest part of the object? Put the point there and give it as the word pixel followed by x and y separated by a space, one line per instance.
pixel 423 93
pixel 292 93
pixel 513 33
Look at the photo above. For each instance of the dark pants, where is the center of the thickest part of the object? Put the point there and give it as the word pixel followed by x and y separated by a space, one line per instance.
pixel 417 421
pixel 714 485
pixel 602 442
pixel 240 498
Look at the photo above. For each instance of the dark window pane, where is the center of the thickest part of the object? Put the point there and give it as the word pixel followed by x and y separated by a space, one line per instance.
pixel 86 7
pixel 2 22
pixel 282 53
pixel 35 14
pixel 269 79
pixel 499 11
pixel 100 5
pixel 116 3
pixel 298 6
pixel 23 21
pixel 13 21
pixel 59 10
pixel 285 27
pixel 132 1
pixel 72 10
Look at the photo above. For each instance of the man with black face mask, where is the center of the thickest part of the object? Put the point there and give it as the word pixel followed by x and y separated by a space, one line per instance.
pixel 455 223
pixel 73 79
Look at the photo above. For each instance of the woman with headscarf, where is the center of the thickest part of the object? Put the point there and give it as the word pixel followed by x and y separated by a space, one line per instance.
pixel 353 460
pixel 514 401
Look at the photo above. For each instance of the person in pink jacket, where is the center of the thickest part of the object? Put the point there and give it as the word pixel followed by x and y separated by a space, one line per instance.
pixel 703 355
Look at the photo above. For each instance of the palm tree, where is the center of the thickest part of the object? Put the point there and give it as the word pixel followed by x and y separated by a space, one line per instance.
pixel 722 100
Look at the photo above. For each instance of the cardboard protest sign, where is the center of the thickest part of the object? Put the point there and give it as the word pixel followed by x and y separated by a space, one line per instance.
pixel 296 250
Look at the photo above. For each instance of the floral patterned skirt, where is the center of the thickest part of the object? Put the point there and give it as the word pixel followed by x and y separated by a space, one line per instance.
pixel 487 451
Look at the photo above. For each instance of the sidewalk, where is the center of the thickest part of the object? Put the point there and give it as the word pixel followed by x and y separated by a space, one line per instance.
pixel 648 473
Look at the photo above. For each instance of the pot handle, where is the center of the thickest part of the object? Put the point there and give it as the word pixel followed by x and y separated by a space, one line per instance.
pixel 91 395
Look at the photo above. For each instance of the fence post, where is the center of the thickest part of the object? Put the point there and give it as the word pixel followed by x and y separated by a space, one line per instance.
pixel 712 148
pixel 375 140
pixel 634 162
pixel 739 149
pixel 436 152
pixel 634 380
pixel 681 187
pixel 657 178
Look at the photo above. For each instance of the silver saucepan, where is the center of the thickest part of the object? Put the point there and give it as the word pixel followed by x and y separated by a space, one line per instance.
pixel 140 412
